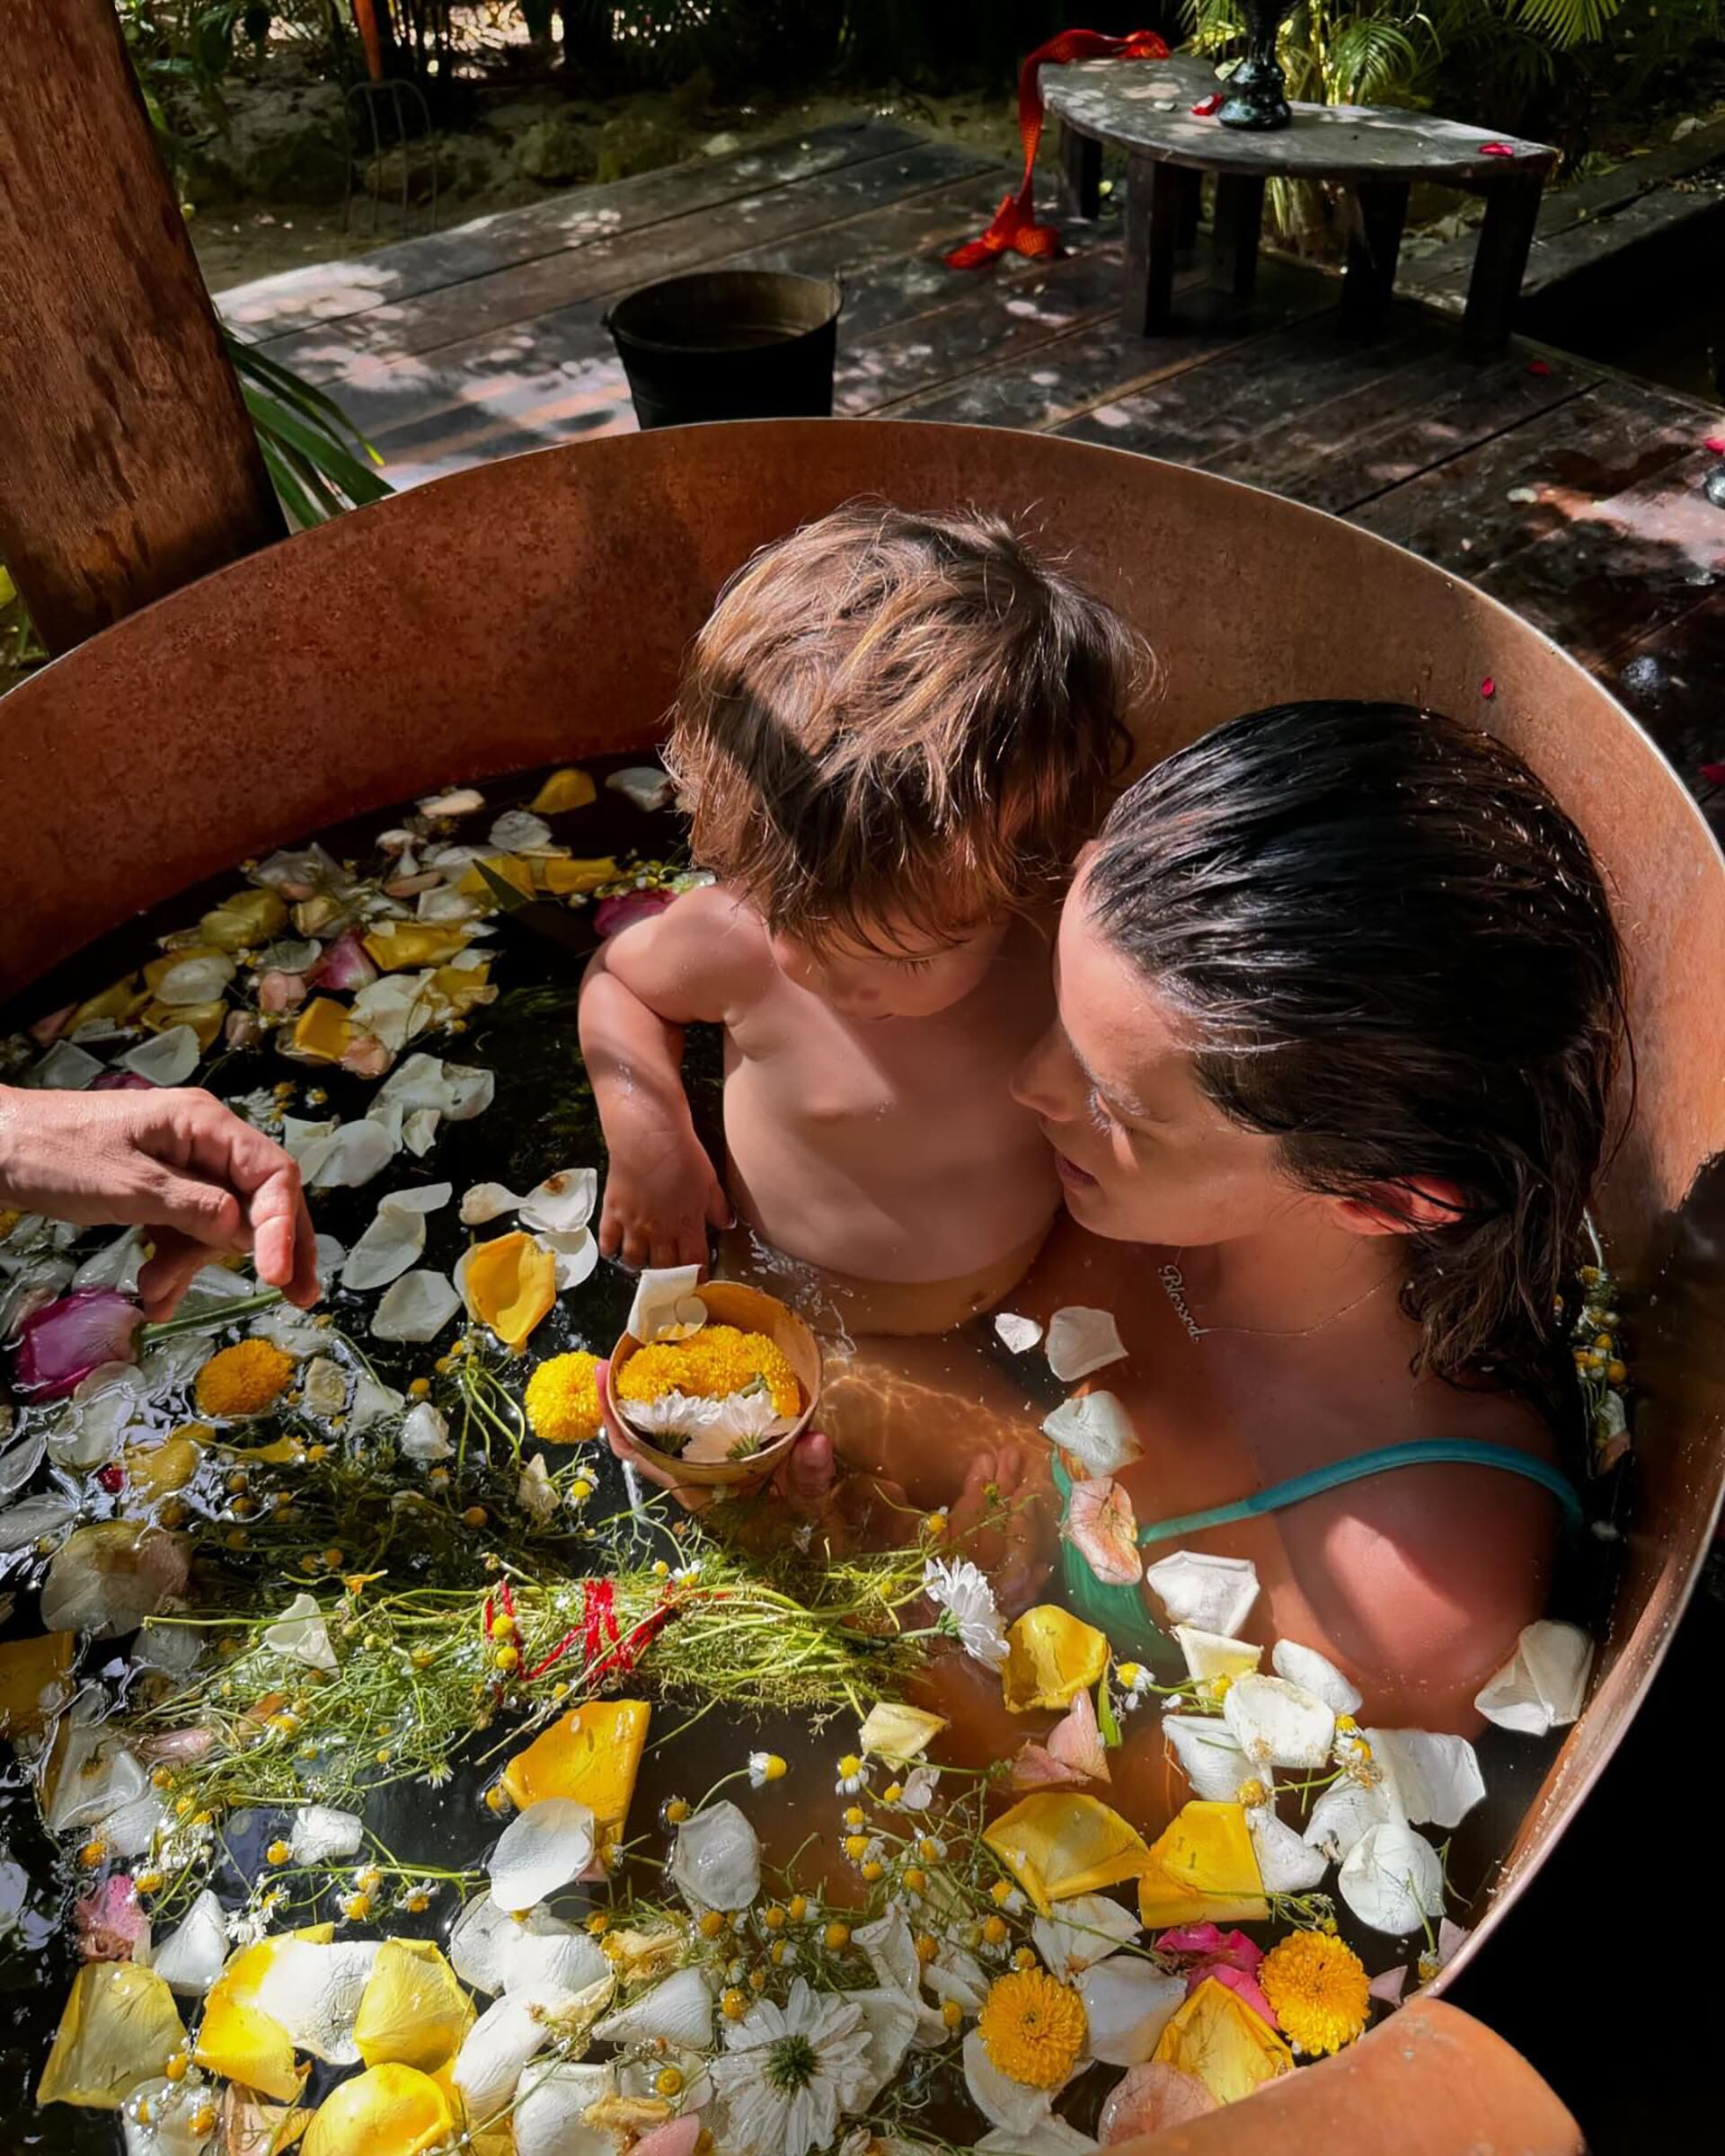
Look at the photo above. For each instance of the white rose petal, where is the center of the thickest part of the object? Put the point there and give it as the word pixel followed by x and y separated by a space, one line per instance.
pixel 644 784
pixel 1017 1335
pixel 1545 1681
pixel 1287 1863
pixel 479 1944
pixel 666 1306
pixel 534 1491
pixel 1214 1594
pixel 66 1068
pixel 891 1950
pixel 322 1835
pixel 576 1255
pixel 519 831
pixel 1096 1432
pixel 717 1862
pixel 389 1247
pixel 551 2107
pixel 553 1959
pixel 510 2032
pixel 1003 2102
pixel 1052 2137
pixel 1437 1779
pixel 425 1433
pixel 679 2011
pixel 454 1090
pixel 322 1386
pixel 1081 1340
pixel 131 1830
pixel 1304 1666
pixel 562 1203
pixel 1346 1813
pixel 460 800
pixel 1210 1655
pixel 1128 2003
pixel 891 2020
pixel 543 1848
pixel 1210 1757
pixel 301 1634
pixel 169 1058
pixel 95 1775
pixel 372 1402
pixel 415 1308
pixel 1280 1723
pixel 355 1153
pixel 190 1959
pixel 196 980
pixel 314 1990
pixel 1392 1879
pixel 1088 1928
pixel 487 1202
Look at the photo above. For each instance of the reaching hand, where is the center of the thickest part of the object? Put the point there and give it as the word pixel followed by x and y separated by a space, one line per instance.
pixel 174 1160
pixel 660 1197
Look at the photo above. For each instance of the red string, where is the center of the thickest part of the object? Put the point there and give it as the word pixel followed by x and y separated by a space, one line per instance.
pixel 602 1650
pixel 1014 225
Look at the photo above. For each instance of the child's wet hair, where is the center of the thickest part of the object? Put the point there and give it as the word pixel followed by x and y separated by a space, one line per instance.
pixel 900 725
pixel 1394 954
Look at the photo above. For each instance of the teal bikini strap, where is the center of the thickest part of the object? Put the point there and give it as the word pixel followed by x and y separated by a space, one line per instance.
pixel 1432 1451
pixel 1120 1611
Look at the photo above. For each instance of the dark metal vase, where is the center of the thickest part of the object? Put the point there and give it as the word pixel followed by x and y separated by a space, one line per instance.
pixel 1257 95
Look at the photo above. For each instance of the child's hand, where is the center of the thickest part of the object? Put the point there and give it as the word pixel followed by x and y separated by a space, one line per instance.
pixel 660 1197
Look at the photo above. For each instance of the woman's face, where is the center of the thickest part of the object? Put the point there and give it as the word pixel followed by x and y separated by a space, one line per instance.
pixel 1143 1155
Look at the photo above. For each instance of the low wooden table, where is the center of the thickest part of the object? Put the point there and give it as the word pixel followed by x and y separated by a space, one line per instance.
pixel 1145 107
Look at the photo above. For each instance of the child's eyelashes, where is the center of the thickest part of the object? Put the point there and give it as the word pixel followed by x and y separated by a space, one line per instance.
pixel 914 965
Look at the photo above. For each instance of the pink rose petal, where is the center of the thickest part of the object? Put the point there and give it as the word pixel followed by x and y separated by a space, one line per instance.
pixel 346 964
pixel 1239 1982
pixel 278 991
pixel 1714 445
pixel 367 1056
pixel 1037 1768
pixel 1150 2097
pixel 122 1081
pixel 612 915
pixel 1496 149
pixel 48 1029
pixel 1101 1526
pixel 1389 1987
pixel 59 1344
pixel 676 2137
pixel 110 1921
pixel 1076 1742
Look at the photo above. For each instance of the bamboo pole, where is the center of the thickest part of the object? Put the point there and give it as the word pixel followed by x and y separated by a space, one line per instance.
pixel 127 464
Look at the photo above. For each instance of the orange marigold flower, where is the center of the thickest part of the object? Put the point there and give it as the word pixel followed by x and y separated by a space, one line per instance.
pixel 244 1379
pixel 1318 1987
pixel 562 1399
pixel 710 1365
pixel 1033 2027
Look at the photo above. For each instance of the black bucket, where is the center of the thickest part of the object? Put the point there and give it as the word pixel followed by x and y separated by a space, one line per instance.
pixel 730 344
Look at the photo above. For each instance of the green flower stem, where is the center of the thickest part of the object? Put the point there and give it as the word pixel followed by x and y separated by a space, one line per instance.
pixel 208 1321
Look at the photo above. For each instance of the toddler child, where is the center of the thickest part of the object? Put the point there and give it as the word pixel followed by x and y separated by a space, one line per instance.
pixel 893 735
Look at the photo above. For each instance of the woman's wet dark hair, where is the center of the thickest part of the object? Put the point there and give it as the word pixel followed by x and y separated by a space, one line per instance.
pixel 1395 952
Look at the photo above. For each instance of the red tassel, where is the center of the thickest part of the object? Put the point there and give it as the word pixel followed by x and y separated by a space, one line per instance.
pixel 1014 225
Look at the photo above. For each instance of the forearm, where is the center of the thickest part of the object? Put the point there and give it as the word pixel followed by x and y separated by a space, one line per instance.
pixel 634 1061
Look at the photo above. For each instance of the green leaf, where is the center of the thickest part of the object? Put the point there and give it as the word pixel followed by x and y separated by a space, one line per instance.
pixel 326 457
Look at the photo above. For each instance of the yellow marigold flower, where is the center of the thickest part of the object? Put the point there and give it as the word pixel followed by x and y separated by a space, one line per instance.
pixel 952 2013
pixel 244 1380
pixel 710 1365
pixel 1318 1987
pixel 1033 2027
pixel 562 1399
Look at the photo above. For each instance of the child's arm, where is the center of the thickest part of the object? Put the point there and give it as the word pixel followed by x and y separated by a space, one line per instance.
pixel 640 991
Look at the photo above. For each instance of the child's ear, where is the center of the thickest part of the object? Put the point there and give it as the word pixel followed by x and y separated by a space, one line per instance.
pixel 1424 1201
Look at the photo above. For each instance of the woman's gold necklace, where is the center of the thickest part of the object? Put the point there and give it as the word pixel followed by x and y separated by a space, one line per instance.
pixel 1173 1286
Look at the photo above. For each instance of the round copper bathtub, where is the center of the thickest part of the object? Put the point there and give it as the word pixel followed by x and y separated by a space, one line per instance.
pixel 536 609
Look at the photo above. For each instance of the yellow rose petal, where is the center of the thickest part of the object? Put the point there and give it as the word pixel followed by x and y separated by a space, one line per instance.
pixel 898 1734
pixel 509 1284
pixel 398 945
pixel 1217 2039
pixel 247 919
pixel 237 2038
pixel 1051 1657
pixel 153 1471
pixel 120 2026
pixel 559 879
pixel 205 1020
pixel 1057 1844
pixel 118 1005
pixel 1202 1868
pixel 388 2111
pixel 35 1680
pixel 592 1755
pixel 508 868
pixel 564 790
pixel 412 2012
pixel 324 1031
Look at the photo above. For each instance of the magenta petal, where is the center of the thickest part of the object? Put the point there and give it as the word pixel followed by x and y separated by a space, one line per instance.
pixel 1191 1939
pixel 122 1081
pixel 59 1344
pixel 111 1921
pixel 611 915
pixel 1245 1986
pixel 346 964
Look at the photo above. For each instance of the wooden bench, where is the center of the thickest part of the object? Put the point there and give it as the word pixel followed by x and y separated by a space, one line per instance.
pixel 1145 108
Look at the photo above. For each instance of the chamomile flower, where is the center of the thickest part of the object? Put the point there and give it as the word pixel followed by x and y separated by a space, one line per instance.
pixel 852 1776
pixel 968 1610
pixel 764 1767
pixel 686 1576
pixel 1134 1681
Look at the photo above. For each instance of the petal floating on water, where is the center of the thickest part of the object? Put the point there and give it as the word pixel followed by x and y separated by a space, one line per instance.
pixel 1278 1724
pixel 479 1942
pixel 486 1202
pixel 1150 2097
pixel 1056 1845
pixel 107 1578
pixel 1210 1757
pixel 1545 1681
pixel 166 1058
pixel 1392 1879
pixel 1129 2004
pixel 646 785
pixel 1200 1867
pixel 1304 1666
pixel 677 2010
pixel 592 1754
pixel 300 1632
pixel 311 1988
pixel 1102 1528
pixel 1051 1656
pixel 1211 1654
pixel 1213 1594
pixel 563 1202
pixel 321 1835
pixel 388 1249
pixel 1081 1340
pixel 1220 2041
pixel 717 1862
pixel 417 1307
pixel 1347 1811
pixel 542 1849
pixel 386 2111
pixel 510 1284
pixel 1087 1929
pixel 1013 2106
pixel 120 2024
pixel 412 2012
pixel 1017 1335
pixel 549 2118
pixel 190 1958
pixel 1095 1431
pixel 1287 1863
pixel 898 1734
pixel 1435 1779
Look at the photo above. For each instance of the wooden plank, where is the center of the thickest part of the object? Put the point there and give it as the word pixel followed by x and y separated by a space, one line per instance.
pixel 1102 363
pixel 294 299
pixel 559 377
pixel 387 334
pixel 1435 405
pixel 1197 416
pixel 127 464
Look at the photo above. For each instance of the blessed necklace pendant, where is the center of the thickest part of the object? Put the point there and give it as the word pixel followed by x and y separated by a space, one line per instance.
pixel 1173 1283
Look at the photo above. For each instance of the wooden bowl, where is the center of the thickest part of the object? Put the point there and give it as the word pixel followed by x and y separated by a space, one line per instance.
pixel 747 1308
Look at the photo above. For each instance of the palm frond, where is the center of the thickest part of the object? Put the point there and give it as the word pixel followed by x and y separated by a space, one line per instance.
pixel 1567 22
pixel 318 460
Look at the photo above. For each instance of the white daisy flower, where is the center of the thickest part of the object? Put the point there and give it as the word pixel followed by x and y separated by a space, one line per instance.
pixel 853 1775
pixel 789 2073
pixel 967 1601
pixel 764 1767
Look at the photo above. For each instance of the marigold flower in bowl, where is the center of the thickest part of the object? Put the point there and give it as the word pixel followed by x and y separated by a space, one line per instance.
pixel 750 1347
pixel 1033 2027
pixel 1317 1985
pixel 562 1399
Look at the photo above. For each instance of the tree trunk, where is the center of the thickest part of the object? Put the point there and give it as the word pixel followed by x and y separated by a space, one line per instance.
pixel 128 462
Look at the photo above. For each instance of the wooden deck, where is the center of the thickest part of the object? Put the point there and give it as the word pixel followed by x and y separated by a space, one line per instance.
pixel 1568 491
